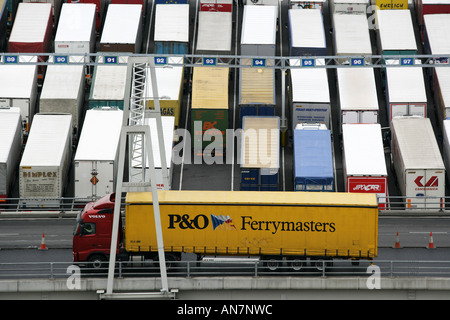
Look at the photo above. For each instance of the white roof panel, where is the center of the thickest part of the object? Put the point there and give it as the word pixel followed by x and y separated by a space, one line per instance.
pixel 172 22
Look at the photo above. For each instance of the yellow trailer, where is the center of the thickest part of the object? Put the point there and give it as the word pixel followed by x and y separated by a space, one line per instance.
pixel 290 225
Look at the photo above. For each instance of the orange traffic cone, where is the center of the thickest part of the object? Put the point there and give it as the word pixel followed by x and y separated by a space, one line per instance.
pixel 43 246
pixel 431 243
pixel 397 242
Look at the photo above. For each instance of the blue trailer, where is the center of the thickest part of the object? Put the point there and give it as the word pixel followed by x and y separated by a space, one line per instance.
pixel 313 161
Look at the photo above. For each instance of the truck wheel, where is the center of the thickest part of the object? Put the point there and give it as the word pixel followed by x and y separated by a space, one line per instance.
pixel 272 263
pixel 97 261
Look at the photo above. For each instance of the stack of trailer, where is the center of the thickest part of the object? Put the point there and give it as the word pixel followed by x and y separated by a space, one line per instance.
pixel 171 29
pixel 418 163
pixel 32 29
pixel 257 90
pixel 18 88
pixel 63 91
pixel 168 137
pixel 209 107
pixel 430 7
pixel 395 34
pixel 76 29
pixel 310 96
pixel 307 34
pixel 214 32
pixel 437 41
pixel 122 31
pixel 313 160
pixel 108 85
pixel 405 91
pixel 351 36
pixel 44 168
pixel 259 157
pixel 10 149
pixel 363 160
pixel 96 158
pixel 259 31
pixel 170 90
pixel 357 92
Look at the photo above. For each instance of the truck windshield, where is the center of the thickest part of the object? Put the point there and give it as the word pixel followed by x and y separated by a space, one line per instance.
pixel 76 231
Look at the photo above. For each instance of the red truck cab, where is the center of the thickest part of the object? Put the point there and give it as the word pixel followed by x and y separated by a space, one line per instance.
pixel 92 233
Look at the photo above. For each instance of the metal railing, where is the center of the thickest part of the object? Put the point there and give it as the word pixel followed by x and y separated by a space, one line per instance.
pixel 60 206
pixel 261 268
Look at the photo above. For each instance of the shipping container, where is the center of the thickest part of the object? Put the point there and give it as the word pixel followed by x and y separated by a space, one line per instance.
pixel 418 163
pixel 214 33
pixel 108 85
pixel 259 31
pixel 313 160
pixel 18 88
pixel 351 36
pixel 260 153
pixel 405 92
pixel 395 34
pixel 209 108
pixel 256 90
pixel 99 10
pixel 172 29
pixel 364 161
pixel 310 95
pixel 76 29
pixel 170 91
pixel 171 2
pixel 122 31
pixel 307 33
pixel 349 6
pixel 357 95
pixel 63 92
pixel 32 29
pixel 168 126
pixel 96 157
pixel 44 168
pixel 10 150
pixel 216 5
pixel 430 7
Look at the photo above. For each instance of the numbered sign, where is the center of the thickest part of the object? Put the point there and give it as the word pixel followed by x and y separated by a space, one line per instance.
pixel 308 62
pixel 160 60
pixel 357 62
pixel 110 60
pixel 406 61
pixel 61 60
pixel 11 59
pixel 209 61
pixel 259 62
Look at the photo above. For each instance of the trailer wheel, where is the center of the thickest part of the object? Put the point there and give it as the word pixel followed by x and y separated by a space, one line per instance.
pixel 297 264
pixel 272 263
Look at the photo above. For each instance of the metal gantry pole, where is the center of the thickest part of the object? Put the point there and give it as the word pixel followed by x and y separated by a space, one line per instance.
pixel 134 127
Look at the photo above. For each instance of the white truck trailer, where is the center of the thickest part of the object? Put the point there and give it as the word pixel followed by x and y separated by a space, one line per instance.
pixel 44 168
pixel 418 163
